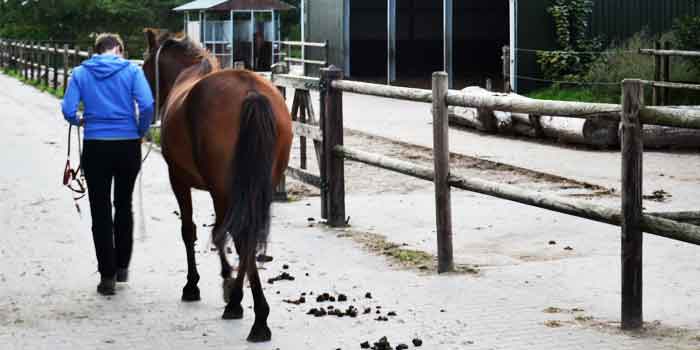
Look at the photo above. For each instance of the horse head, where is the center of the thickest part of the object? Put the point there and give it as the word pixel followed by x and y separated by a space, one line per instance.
pixel 174 53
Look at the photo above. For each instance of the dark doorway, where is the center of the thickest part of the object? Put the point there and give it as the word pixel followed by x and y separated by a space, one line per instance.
pixel 481 29
pixel 368 40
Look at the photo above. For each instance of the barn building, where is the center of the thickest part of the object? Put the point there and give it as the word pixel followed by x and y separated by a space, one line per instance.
pixel 403 41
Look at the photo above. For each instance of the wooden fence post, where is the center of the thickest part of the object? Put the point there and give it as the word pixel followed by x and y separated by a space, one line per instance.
pixel 506 69
pixel 54 65
pixel 632 151
pixel 657 74
pixel 23 59
pixel 666 75
pixel 32 71
pixel 441 157
pixel 280 193
pixel 65 67
pixel 334 180
pixel 47 64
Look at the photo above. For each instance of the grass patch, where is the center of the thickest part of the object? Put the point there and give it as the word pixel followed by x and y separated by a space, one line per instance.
pixel 58 93
pixel 577 94
pixel 398 253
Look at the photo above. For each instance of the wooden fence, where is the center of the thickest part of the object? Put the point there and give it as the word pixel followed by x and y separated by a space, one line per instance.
pixel 632 114
pixel 49 63
pixel 662 68
pixel 331 153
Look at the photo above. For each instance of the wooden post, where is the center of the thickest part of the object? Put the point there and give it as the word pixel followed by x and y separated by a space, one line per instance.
pixel 32 60
pixel 280 193
pixel 303 102
pixel 657 74
pixel 47 64
pixel 632 150
pixel 25 57
pixel 54 64
pixel 506 69
pixel 441 156
pixel 65 67
pixel 333 136
pixel 666 75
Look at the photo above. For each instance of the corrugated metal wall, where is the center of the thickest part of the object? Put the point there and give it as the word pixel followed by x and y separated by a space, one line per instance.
pixel 613 20
pixel 619 19
pixel 325 22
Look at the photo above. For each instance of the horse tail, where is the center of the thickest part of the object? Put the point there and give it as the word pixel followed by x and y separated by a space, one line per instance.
pixel 247 219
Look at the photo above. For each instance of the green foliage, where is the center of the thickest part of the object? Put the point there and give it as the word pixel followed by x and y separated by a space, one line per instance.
pixel 562 93
pixel 571 25
pixel 686 36
pixel 77 21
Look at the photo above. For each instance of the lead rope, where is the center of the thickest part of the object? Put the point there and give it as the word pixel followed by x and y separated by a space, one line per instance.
pixel 75 176
pixel 142 220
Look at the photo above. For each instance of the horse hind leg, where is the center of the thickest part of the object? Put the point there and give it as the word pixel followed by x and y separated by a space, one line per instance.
pixel 234 290
pixel 190 292
pixel 260 332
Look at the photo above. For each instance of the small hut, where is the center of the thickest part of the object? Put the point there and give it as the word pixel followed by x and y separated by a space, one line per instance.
pixel 236 30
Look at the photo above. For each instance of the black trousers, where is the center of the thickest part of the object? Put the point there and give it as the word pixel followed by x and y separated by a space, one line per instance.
pixel 103 161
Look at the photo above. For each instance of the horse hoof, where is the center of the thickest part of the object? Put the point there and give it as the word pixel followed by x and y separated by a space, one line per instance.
pixel 190 294
pixel 233 313
pixel 227 287
pixel 259 334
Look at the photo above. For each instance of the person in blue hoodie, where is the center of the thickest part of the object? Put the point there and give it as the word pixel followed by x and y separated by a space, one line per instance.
pixel 112 91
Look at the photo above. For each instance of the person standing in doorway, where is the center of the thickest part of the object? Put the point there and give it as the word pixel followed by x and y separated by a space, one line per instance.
pixel 108 85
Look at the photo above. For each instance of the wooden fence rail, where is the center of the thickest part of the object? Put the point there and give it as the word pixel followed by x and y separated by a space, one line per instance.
pixel 632 114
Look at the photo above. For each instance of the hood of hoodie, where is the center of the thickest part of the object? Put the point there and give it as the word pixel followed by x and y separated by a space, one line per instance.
pixel 104 66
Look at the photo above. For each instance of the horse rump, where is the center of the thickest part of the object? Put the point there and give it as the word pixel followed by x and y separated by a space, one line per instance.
pixel 247 219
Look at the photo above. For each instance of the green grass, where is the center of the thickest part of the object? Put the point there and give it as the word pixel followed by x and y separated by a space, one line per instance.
pixel 58 93
pixel 580 94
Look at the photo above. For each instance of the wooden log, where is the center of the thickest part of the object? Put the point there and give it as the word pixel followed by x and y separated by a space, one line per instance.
pixel 660 137
pixel 632 148
pixel 441 163
pixel 668 116
pixel 401 93
pixel 306 130
pixel 304 176
pixel 332 137
pixel 600 131
pixel 656 92
pixel 580 208
pixel 688 217
pixel 669 52
pixel 482 119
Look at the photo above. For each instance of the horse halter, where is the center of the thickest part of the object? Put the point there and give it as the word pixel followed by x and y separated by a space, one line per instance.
pixel 74 179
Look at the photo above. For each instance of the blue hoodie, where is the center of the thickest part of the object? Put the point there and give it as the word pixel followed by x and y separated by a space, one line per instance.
pixel 108 86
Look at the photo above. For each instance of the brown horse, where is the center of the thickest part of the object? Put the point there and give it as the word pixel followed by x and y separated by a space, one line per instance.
pixel 227 132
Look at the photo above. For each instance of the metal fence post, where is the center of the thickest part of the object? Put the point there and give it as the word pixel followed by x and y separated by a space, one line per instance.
pixel 47 64
pixel 632 151
pixel 441 156
pixel 54 64
pixel 334 180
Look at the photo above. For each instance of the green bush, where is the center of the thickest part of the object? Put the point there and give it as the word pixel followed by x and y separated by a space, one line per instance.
pixel 571 26
pixel 685 37
pixel 624 62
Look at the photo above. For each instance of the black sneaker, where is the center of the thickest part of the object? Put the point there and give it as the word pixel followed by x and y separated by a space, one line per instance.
pixel 106 286
pixel 122 275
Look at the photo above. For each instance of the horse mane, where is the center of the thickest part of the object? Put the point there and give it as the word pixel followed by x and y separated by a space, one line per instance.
pixel 191 49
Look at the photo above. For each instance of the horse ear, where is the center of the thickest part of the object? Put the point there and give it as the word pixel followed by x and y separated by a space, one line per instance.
pixel 151 36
